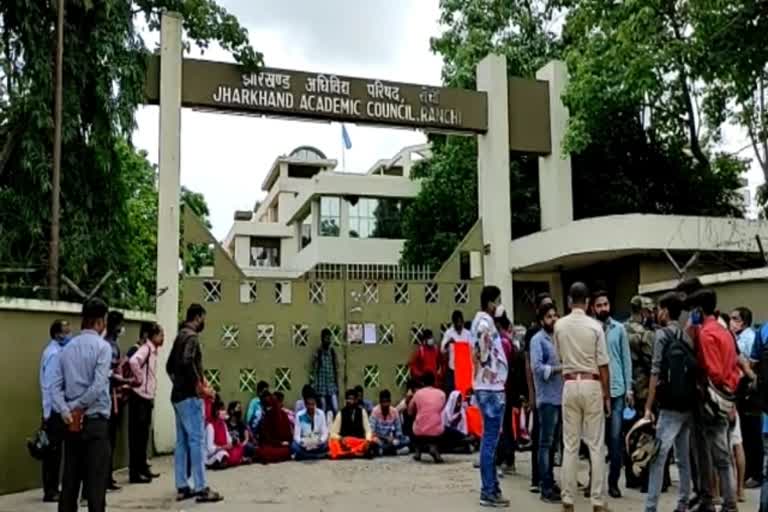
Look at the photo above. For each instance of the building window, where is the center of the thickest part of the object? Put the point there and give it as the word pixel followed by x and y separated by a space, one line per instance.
pixel 371 376
pixel 461 293
pixel 375 218
pixel 464 266
pixel 371 292
pixel 402 374
pixel 265 335
pixel 431 293
pixel 248 291
pixel 265 252
pixel 386 334
pixel 443 329
pixel 305 237
pixel 330 216
pixel 336 334
pixel 247 380
pixel 213 376
pixel 283 292
pixel 212 291
pixel 300 335
pixel 401 293
pixel 416 331
pixel 317 292
pixel 229 335
pixel 282 379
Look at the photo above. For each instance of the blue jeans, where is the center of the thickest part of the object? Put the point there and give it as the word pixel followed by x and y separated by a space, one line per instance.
pixel 548 417
pixel 615 441
pixel 328 402
pixel 672 428
pixel 301 453
pixel 491 404
pixel 190 443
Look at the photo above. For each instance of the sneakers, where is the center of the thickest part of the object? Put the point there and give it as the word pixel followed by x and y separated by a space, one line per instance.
pixel 509 469
pixel 550 497
pixel 752 484
pixel 614 492
pixel 494 501
pixel 534 489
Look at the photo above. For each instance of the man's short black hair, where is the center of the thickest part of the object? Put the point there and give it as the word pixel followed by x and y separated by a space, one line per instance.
pixel 350 393
pixel 457 316
pixel 689 285
pixel 385 395
pixel 194 311
pixel 543 310
pixel 488 295
pixel 359 389
pixel 307 392
pixel 114 320
pixel 600 293
pixel 325 332
pixel 428 379
pixel 672 302
pixel 503 321
pixel 57 327
pixel 94 309
pixel 578 293
pixel 541 297
pixel 261 387
pixel 706 299
pixel 279 396
pixel 745 314
pixel 426 334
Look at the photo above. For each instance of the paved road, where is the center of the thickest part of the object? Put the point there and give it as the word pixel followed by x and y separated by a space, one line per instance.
pixel 345 486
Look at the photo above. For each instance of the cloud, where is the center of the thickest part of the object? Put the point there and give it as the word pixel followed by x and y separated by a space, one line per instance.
pixel 226 157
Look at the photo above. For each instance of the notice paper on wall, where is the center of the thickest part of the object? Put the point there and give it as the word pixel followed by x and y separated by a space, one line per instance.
pixel 369 334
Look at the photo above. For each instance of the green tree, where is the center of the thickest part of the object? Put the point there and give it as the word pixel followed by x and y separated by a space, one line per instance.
pixel 106 199
pixel 619 165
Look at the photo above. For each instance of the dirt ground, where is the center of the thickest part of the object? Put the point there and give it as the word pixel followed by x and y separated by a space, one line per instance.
pixel 343 486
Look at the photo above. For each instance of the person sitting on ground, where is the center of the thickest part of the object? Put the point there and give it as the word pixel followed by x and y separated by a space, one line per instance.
pixel 220 451
pixel 455 433
pixel 387 428
pixel 310 438
pixel 402 407
pixel 427 406
pixel 351 431
pixel 255 410
pixel 300 405
pixel 426 357
pixel 275 433
pixel 238 431
pixel 362 401
pixel 280 399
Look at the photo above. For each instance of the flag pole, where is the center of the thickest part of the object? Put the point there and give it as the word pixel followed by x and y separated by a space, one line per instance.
pixel 343 151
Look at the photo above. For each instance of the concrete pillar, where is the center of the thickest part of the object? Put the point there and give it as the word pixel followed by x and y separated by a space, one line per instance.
pixel 343 218
pixel 555 187
pixel 168 216
pixel 493 177
pixel 315 209
pixel 243 251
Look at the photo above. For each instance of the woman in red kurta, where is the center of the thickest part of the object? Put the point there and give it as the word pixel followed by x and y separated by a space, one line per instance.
pixel 275 435
pixel 426 358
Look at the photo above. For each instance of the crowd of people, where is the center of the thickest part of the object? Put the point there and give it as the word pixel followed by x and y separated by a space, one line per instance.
pixel 676 374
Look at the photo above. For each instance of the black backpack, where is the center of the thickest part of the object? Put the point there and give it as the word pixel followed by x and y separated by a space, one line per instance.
pixel 677 379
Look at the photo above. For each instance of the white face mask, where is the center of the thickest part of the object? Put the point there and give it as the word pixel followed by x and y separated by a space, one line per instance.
pixel 430 342
pixel 121 331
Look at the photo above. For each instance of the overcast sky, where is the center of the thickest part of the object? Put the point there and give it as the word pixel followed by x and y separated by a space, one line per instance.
pixel 226 156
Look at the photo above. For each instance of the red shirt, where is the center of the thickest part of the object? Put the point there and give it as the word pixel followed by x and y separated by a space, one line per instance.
pixel 425 359
pixel 717 355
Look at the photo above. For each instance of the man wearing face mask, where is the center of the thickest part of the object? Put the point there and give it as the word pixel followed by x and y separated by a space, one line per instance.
pixel 185 369
pixel 426 357
pixel 52 422
pixel 639 329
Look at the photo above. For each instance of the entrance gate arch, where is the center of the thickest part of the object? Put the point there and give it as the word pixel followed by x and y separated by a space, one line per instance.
pixel 504 114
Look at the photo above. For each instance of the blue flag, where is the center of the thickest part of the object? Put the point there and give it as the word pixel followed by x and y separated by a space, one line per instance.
pixel 345 137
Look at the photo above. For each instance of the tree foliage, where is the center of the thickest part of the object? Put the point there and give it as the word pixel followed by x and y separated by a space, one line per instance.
pixel 623 160
pixel 108 199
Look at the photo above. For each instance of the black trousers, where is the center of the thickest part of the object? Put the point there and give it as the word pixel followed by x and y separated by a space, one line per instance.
pixel 534 432
pixel 54 428
pixel 114 424
pixel 86 461
pixel 139 422
pixel 752 434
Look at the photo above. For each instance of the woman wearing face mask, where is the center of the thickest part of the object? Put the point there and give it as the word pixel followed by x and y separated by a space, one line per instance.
pixel 239 432
pixel 426 358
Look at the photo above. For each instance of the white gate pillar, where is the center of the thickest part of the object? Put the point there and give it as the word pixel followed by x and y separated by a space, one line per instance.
pixel 168 216
pixel 493 178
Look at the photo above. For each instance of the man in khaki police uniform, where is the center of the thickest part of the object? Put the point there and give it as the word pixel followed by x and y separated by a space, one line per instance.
pixel 580 342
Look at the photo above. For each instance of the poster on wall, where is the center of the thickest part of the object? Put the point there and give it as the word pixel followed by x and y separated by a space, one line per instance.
pixel 369 334
pixel 354 333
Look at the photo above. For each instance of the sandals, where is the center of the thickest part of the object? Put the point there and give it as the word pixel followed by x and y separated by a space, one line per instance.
pixel 184 494
pixel 208 496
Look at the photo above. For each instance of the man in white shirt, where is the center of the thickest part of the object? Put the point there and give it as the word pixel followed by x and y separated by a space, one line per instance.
pixel 455 334
pixel 310 436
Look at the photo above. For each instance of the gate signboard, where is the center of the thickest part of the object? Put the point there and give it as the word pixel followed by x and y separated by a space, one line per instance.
pixel 223 86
